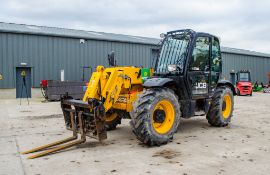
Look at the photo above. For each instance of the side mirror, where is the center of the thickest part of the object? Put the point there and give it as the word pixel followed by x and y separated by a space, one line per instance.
pixel 111 60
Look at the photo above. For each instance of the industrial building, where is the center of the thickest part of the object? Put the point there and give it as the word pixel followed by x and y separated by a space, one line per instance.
pixel 49 53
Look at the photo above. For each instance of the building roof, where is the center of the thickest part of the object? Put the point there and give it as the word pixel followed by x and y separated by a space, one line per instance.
pixel 243 52
pixel 82 34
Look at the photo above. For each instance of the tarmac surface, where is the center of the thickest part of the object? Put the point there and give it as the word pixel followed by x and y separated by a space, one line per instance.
pixel 243 147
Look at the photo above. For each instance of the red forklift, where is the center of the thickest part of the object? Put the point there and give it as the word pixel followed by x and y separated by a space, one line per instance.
pixel 243 83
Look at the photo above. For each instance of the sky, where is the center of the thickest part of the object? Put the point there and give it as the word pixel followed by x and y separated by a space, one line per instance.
pixel 241 24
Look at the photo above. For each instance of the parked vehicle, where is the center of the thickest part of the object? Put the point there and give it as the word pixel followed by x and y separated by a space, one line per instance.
pixel 243 83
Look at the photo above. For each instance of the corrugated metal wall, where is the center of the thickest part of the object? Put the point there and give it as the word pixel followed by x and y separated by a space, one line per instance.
pixel 258 66
pixel 48 55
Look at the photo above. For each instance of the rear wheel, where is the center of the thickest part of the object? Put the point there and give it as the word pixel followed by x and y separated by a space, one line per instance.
pixel 221 108
pixel 155 116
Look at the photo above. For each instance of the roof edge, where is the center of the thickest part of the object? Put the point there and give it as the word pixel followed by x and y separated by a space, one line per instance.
pixel 114 37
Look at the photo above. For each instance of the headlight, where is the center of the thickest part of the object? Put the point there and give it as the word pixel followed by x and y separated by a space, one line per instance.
pixel 172 68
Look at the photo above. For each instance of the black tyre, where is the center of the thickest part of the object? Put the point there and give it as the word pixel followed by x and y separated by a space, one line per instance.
pixel 112 120
pixel 155 116
pixel 221 108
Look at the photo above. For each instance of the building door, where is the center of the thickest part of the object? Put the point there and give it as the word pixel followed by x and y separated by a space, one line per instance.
pixel 23 82
pixel 233 78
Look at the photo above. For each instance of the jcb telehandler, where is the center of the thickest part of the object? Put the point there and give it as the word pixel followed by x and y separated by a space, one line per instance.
pixel 185 83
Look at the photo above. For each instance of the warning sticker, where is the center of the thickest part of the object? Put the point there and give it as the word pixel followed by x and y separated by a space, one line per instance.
pixel 23 73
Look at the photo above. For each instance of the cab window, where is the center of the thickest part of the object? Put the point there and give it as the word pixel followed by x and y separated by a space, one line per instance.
pixel 216 56
pixel 200 55
pixel 215 62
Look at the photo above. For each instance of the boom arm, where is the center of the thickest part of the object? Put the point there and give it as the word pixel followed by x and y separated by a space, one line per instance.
pixel 107 84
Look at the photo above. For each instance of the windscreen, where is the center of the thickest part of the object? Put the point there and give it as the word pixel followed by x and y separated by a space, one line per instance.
pixel 244 77
pixel 173 52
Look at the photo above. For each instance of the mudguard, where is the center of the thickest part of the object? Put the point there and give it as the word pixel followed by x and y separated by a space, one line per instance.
pixel 157 82
pixel 227 83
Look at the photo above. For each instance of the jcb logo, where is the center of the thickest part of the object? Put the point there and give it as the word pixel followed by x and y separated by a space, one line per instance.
pixel 201 85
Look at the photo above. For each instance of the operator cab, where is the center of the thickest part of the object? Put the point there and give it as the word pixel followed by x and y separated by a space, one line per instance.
pixel 197 55
pixel 190 63
pixel 243 76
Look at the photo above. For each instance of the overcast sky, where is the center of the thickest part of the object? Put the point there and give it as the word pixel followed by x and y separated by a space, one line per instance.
pixel 239 23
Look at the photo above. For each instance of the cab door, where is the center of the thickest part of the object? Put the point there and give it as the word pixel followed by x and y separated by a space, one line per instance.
pixel 199 67
pixel 215 64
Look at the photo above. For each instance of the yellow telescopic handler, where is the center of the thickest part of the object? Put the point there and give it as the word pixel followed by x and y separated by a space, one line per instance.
pixel 185 81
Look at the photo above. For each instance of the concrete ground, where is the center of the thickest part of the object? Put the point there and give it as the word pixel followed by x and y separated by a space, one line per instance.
pixel 243 147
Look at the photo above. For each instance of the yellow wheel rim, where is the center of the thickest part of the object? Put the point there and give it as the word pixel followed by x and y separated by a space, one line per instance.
pixel 111 117
pixel 166 124
pixel 226 106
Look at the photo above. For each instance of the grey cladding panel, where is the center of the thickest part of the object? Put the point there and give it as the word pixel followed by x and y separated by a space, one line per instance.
pixel 47 55
pixel 259 66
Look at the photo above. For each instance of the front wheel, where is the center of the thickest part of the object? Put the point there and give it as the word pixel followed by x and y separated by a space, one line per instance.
pixel 155 116
pixel 221 108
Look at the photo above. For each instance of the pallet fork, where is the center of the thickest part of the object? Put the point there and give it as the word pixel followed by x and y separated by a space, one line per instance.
pixel 78 127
